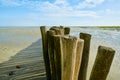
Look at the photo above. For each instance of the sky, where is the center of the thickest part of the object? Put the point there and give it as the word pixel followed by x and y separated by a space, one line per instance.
pixel 59 12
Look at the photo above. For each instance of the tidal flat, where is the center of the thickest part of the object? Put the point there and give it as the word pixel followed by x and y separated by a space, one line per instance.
pixel 22 46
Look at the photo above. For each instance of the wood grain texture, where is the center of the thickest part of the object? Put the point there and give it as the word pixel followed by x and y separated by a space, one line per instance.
pixel 57 55
pixel 45 52
pixel 79 50
pixel 58 30
pixel 102 63
pixel 50 35
pixel 85 56
pixel 69 45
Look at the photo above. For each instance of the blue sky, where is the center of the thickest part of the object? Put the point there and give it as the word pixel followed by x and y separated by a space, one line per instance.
pixel 59 12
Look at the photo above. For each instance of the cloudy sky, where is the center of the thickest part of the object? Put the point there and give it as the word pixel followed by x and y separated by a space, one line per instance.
pixel 59 12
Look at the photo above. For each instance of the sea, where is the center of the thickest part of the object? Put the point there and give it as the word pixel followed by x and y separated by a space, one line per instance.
pixel 105 37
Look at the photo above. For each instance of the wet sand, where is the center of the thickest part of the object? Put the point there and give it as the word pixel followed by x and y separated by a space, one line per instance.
pixel 12 40
pixel 27 64
pixel 21 55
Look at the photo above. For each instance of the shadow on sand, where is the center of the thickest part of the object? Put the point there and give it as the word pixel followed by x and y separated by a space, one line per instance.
pixel 27 64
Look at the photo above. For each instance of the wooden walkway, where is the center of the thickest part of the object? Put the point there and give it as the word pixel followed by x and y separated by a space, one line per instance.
pixel 27 64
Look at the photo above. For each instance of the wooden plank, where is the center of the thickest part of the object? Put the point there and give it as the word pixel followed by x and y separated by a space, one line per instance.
pixel 102 63
pixel 85 56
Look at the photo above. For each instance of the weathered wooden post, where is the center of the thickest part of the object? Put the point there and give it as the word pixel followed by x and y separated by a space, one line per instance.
pixel 54 51
pixel 78 58
pixel 85 56
pixel 58 30
pixel 62 53
pixel 50 35
pixel 102 63
pixel 66 30
pixel 57 55
pixel 45 52
pixel 70 46
pixel 68 58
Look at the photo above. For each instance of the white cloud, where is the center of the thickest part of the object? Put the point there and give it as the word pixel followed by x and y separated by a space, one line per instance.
pixel 74 14
pixel 89 4
pixel 59 8
pixel 61 11
pixel 63 2
pixel 9 2
pixel 85 5
pixel 95 1
pixel 109 11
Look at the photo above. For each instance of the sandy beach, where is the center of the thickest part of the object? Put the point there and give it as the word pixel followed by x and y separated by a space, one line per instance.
pixel 12 40
pixel 21 55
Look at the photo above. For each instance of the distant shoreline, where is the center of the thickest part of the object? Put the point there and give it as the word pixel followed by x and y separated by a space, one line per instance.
pixel 59 25
pixel 98 26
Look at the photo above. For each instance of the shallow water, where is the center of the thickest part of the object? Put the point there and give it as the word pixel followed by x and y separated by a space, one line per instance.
pixel 109 38
pixel 14 39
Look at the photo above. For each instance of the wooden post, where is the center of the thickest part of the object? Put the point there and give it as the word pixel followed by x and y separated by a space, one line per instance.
pixel 62 53
pixel 54 50
pixel 45 52
pixel 58 30
pixel 50 35
pixel 85 56
pixel 78 58
pixel 61 26
pixel 66 30
pixel 102 63
pixel 57 55
pixel 69 45
pixel 67 55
